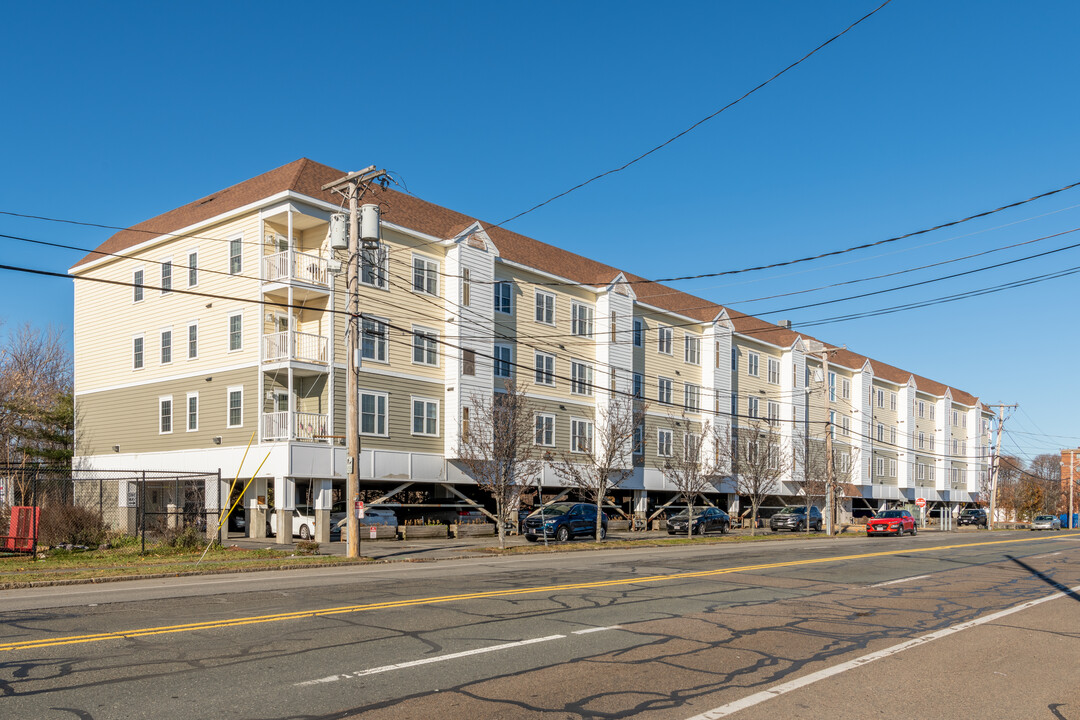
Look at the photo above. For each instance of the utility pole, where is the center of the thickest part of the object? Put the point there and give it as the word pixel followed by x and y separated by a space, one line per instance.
pixel 997 463
pixel 830 470
pixel 352 187
pixel 1072 482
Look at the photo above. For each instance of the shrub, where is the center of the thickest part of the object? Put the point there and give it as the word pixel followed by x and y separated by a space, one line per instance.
pixel 187 538
pixel 307 547
pixel 73 524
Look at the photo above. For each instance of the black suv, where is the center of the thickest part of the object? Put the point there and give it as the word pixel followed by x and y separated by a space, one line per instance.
pixel 563 521
pixel 973 516
pixel 793 518
pixel 705 519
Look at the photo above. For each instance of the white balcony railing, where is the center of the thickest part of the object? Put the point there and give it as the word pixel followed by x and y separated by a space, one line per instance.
pixel 294 266
pixel 307 427
pixel 297 346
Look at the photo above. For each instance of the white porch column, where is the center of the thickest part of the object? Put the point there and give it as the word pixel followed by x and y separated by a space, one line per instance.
pixel 322 489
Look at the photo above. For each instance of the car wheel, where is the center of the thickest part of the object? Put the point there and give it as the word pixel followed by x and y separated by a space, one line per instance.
pixel 700 529
pixel 603 533
pixel 562 534
pixel 798 527
pixel 305 533
pixel 900 531
pixel 914 530
pixel 530 538
pixel 723 528
pixel 670 532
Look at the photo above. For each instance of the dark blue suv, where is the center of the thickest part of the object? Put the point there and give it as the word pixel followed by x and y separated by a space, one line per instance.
pixel 564 521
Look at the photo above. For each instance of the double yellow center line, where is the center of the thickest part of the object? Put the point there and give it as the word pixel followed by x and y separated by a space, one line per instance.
pixel 415 602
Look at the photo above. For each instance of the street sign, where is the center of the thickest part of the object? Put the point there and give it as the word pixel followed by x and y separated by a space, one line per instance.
pixel 920 502
pixel 372 531
pixel 360 509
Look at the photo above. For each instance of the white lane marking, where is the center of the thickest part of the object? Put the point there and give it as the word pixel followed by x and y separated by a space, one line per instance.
pixel 893 582
pixel 428 661
pixel 1037 557
pixel 777 690
pixel 596 629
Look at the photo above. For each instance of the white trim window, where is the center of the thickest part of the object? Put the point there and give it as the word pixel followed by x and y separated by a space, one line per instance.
pixel 880 462
pixel 545 430
pixel 545 369
pixel 931 442
pixel 691 447
pixel 774 371
pixel 425 275
pixel 373 412
pixel 193 268
pixel 373 339
pixel 933 410
pixel 892 468
pixel 138 285
pixel 922 440
pixel 772 415
pixel 193 340
pixel 138 352
pixel 236 255
pixel 832 387
pixel 504 361
pixel 425 347
pixel 845 388
pixel 581 435
pixel 954 418
pixel 922 409
pixel 236 332
pixel 892 401
pixel 692 349
pixel 166 346
pixel 192 411
pixel 639 385
pixel 753 362
pixel 963 420
pixel 504 294
pixel 892 435
pixel 881 432
pixel 581 378
pixel 639 332
pixel 846 423
pixel 664 390
pixel 752 406
pixel 664 336
pixel 691 397
pixel 234 416
pixel 545 307
pixel 166 277
pixel 921 471
pixel 581 319
pixel 425 417
pixel 845 462
pixel 880 398
pixel 373 262
pixel 931 472
pixel 663 442
pixel 165 415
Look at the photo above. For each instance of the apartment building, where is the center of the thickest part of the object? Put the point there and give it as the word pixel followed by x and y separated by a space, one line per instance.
pixel 214 336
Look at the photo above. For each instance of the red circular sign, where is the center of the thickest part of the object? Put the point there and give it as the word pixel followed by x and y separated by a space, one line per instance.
pixel 921 502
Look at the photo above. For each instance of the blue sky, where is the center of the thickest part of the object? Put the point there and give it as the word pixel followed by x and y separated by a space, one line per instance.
pixel 925 113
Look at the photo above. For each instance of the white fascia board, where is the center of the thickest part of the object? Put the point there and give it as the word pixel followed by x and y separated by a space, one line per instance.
pixel 758 341
pixel 415 233
pixel 250 207
pixel 674 314
pixel 544 273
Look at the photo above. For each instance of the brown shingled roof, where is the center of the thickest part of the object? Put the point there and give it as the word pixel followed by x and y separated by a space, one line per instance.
pixel 307 177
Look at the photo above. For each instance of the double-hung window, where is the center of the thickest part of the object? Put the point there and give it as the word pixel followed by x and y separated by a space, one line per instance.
pixel 664 336
pixel 581 435
pixel 663 390
pixel 192 341
pixel 881 432
pixel 425 417
pixel 692 349
pixel 236 256
pixel 581 377
pixel 372 413
pixel 663 443
pixel 545 430
pixel 137 280
pixel 166 277
pixel 880 398
pixel 192 269
pixel 753 361
pixel 425 347
pixel 545 369
pixel 235 415
pixel 692 397
pixel 832 387
pixel 774 371
pixel 137 353
pixel 892 435
pixel 504 293
pixel 425 275
pixel 166 347
pixel 192 411
pixel 545 307
pixel 752 406
pixel 772 410
pixel 236 332
pixel 373 339
pixel 373 266
pixel 581 319
pixel 639 381
pixel 892 401
pixel 639 332
pixel 503 361
pixel 845 388
pixel 165 415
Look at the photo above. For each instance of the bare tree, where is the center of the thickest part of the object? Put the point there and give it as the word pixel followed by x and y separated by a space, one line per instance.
pixel 810 469
pixel 756 461
pixel 600 457
pixel 1046 471
pixel 36 407
pixel 497 448
pixel 696 468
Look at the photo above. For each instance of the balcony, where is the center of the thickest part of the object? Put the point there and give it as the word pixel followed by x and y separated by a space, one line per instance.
pixel 293 346
pixel 306 427
pixel 292 266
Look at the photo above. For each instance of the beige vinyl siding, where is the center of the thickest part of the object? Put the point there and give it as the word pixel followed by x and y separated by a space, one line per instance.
pixel 128 417
pixel 105 318
pixel 400 392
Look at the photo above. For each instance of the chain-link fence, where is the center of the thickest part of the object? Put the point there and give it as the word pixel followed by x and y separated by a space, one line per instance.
pixel 47 506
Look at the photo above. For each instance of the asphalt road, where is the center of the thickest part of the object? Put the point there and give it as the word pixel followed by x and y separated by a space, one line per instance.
pixel 973 625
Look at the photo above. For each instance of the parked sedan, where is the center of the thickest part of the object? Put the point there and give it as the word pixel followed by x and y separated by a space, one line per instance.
pixel 303 524
pixel 705 519
pixel 891 522
pixel 564 521
pixel 1046 522
pixel 794 518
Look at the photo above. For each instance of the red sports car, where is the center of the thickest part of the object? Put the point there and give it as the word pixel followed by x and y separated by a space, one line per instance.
pixel 891 522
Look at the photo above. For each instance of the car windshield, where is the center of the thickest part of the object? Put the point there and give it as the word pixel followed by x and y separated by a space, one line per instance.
pixel 1045 518
pixel 793 510
pixel 890 514
pixel 558 509
pixel 971 512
